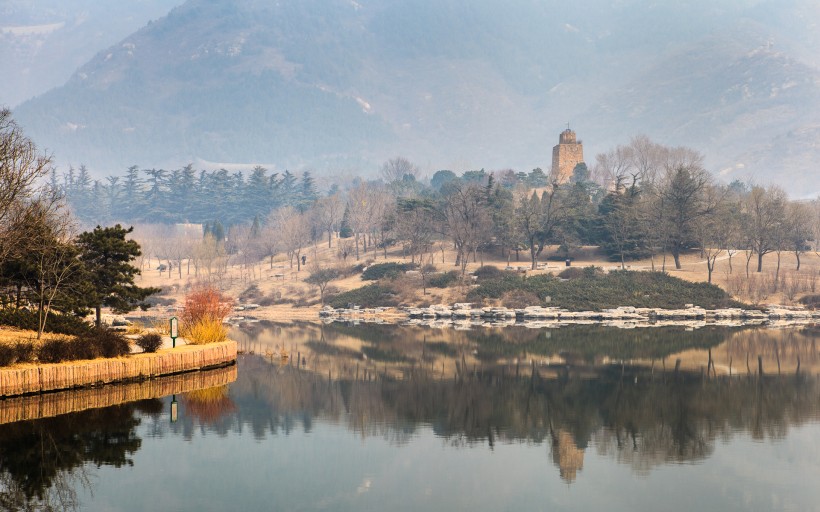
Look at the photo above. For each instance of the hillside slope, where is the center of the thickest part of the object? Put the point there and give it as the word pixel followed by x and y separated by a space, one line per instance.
pixel 450 84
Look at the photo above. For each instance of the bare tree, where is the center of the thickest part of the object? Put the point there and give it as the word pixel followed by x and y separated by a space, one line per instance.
pixel 21 165
pixel 712 233
pixel 799 228
pixel 539 218
pixel 328 213
pixel 815 216
pixel 321 277
pixel 48 259
pixel 415 226
pixel 466 219
pixel 294 228
pixel 764 211
pixel 397 168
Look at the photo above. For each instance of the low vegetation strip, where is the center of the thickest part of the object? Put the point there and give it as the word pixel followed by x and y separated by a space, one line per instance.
pixel 595 292
pixel 30 379
pixel 47 405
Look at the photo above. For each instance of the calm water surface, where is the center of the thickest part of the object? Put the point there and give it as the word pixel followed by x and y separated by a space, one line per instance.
pixel 401 418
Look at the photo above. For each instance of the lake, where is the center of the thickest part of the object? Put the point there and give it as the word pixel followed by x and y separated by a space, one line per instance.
pixel 381 417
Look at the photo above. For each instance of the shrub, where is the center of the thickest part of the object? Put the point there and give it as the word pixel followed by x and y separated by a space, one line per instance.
pixel 160 301
pixel 443 280
pixel 372 295
pixel 389 270
pixel 810 301
pixel 488 272
pixel 7 355
pixel 20 352
pixel 251 294
pixel 102 342
pixel 206 306
pixel 24 351
pixel 617 288
pixel 275 297
pixel 519 299
pixel 206 330
pixel 149 342
pixel 571 273
pixel 55 350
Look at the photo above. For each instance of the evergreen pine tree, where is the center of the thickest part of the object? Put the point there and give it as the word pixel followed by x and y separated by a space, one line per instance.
pixel 107 256
pixel 345 231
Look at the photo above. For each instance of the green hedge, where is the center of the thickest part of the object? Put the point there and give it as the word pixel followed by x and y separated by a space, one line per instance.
pixel 370 296
pixel 617 288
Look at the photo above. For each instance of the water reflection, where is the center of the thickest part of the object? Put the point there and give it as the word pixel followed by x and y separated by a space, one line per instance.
pixel 570 399
pixel 46 459
pixel 342 349
pixel 644 397
pixel 638 417
pixel 42 461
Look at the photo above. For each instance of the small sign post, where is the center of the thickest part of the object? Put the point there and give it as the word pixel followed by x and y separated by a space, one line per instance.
pixel 174 331
pixel 174 409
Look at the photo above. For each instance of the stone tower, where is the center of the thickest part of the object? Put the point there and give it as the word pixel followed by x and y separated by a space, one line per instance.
pixel 566 155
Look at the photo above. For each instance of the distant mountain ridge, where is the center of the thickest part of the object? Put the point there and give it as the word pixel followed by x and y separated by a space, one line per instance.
pixel 343 85
pixel 42 42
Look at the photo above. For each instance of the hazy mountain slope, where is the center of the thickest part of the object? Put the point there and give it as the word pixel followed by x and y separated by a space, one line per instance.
pixel 751 109
pixel 42 42
pixel 337 84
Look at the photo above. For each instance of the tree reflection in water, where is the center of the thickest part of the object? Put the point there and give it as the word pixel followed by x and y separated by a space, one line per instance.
pixel 637 415
pixel 43 462
pixel 468 390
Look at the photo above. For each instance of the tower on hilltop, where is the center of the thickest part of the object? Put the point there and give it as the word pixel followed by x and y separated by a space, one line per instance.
pixel 566 155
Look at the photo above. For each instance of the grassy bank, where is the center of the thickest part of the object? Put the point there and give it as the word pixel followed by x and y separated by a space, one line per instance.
pixel 594 291
pixel 586 290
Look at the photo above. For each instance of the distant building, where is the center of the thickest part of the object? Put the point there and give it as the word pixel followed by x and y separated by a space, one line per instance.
pixel 567 456
pixel 566 155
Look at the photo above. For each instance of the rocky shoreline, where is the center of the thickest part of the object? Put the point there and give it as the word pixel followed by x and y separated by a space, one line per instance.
pixel 537 316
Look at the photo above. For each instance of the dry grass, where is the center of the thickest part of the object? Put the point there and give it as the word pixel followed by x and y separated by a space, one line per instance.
pixel 10 336
pixel 160 326
pixel 206 330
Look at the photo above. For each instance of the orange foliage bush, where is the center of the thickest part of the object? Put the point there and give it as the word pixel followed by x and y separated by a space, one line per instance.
pixel 205 304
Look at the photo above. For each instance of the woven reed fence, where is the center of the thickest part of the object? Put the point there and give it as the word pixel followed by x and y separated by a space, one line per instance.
pixel 32 379
pixel 63 402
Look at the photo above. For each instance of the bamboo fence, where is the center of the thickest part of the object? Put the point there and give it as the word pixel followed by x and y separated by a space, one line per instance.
pixel 47 405
pixel 33 379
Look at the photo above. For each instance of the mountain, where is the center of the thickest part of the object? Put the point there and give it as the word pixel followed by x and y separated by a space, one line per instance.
pixel 342 84
pixel 42 42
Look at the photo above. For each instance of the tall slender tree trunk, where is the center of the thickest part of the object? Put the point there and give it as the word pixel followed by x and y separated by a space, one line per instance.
pixel 98 310
pixel 760 261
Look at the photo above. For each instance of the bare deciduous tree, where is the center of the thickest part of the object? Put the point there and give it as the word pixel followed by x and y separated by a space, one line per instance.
pixel 328 213
pixel 21 165
pixel 397 168
pixel 764 210
pixel 466 219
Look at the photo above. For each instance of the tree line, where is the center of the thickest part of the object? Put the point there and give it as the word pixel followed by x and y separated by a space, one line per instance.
pixel 642 200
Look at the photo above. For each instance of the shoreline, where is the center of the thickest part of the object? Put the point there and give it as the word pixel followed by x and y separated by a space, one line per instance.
pixel 460 313
pixel 461 316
